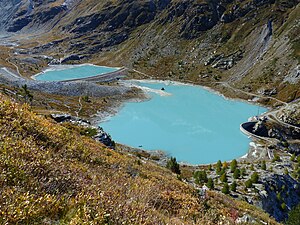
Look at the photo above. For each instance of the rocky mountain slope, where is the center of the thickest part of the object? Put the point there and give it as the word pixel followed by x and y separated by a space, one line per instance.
pixel 243 48
pixel 250 44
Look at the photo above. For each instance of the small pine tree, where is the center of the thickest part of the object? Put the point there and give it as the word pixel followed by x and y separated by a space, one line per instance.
pixel 286 172
pixel 283 206
pixel 210 167
pixel 252 167
pixel 254 177
pixel 200 176
pixel 173 165
pixel 243 172
pixel 278 197
pixel 293 157
pixel 276 158
pixel 225 165
pixel 233 186
pixel 225 189
pixel 223 178
pixel 26 93
pixel 86 98
pixel 236 174
pixel 218 166
pixel 264 165
pixel 210 183
pixel 223 170
pixel 233 165
pixel 249 183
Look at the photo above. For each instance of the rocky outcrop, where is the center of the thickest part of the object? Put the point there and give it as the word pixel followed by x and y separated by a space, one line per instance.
pixel 291 114
pixel 48 15
pixel 224 62
pixel 198 18
pixel 100 135
pixel 240 10
pixel 73 57
pixel 129 14
pixel 20 14
pixel 282 193
pixel 19 23
pixel 104 138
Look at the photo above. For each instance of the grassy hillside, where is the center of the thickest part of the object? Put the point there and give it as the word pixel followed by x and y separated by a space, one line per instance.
pixel 52 175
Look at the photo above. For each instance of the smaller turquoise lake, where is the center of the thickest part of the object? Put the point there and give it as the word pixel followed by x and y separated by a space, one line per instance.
pixel 192 124
pixel 60 73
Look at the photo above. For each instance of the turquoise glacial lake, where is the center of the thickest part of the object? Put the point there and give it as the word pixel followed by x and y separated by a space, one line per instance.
pixel 60 73
pixel 192 124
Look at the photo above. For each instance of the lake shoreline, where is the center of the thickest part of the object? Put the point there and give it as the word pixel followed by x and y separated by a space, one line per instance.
pixel 60 67
pixel 115 109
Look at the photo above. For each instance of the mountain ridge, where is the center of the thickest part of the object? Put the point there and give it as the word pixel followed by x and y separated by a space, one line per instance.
pixel 246 49
pixel 205 42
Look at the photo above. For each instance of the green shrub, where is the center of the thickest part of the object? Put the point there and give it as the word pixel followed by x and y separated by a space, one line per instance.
pixel 236 174
pixel 25 93
pixel 225 189
pixel 218 166
pixel 173 165
pixel 200 176
pixel 233 165
pixel 254 177
pixel 86 98
pixel 248 183
pixel 276 158
pixel 90 132
pixel 294 216
pixel 233 186
pixel 210 183
pixel 223 178
pixel 264 165
pixel 278 197
pixel 283 206
pixel 243 172
pixel 293 157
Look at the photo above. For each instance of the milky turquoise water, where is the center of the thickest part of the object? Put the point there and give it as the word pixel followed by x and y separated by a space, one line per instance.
pixel 76 72
pixel 194 125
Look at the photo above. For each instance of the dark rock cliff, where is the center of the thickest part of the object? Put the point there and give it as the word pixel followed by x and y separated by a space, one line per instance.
pixel 282 194
pixel 195 17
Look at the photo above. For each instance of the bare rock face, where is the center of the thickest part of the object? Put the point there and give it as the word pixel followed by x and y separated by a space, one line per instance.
pixel 282 194
pixel 130 14
pixel 195 17
pixel 8 10
pixel 100 135
pixel 18 14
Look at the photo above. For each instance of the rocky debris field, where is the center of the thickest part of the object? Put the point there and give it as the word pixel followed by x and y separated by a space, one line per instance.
pixel 75 88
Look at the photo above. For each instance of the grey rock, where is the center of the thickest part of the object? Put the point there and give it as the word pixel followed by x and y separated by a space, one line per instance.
pixel 71 58
pixel 289 194
pixel 101 135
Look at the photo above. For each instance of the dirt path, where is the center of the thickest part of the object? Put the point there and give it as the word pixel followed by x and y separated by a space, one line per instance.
pixel 225 84
pixel 17 68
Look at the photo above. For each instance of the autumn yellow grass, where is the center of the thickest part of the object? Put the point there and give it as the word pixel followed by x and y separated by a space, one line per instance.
pixel 53 175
